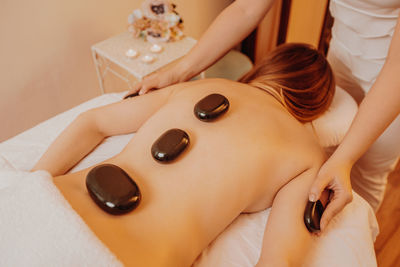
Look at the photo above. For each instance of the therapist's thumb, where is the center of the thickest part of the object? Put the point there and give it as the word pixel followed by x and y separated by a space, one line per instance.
pixel 337 203
pixel 317 187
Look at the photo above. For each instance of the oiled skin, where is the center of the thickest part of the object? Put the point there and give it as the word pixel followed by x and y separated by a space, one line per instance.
pixel 235 164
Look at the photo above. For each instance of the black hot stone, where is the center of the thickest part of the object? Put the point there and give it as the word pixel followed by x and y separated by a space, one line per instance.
pixel 312 216
pixel 170 145
pixel 132 95
pixel 211 107
pixel 112 189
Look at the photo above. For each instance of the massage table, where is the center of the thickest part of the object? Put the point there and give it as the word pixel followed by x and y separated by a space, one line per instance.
pixel 38 227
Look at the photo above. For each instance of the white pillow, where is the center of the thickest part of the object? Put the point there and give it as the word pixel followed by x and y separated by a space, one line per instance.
pixel 332 126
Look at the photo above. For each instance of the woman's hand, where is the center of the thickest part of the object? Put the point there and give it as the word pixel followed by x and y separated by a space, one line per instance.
pixel 157 80
pixel 333 175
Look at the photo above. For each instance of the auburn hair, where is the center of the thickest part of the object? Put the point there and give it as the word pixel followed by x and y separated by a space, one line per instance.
pixel 299 76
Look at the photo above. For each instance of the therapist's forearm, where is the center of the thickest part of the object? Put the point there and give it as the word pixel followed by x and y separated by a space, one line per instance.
pixel 77 140
pixel 379 108
pixel 229 28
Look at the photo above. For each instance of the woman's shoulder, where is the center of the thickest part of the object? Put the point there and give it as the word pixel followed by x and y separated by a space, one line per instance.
pixel 299 144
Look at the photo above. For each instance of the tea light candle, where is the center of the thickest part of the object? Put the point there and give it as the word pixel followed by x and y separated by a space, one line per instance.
pixel 148 59
pixel 155 48
pixel 131 53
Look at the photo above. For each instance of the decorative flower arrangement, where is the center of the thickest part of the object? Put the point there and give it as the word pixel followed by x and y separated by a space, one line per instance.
pixel 156 21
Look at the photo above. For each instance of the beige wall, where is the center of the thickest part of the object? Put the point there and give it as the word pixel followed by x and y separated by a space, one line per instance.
pixel 46 65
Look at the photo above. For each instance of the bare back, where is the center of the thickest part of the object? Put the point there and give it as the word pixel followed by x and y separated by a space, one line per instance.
pixel 235 164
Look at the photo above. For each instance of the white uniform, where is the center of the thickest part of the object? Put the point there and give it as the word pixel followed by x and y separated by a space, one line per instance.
pixel 361 37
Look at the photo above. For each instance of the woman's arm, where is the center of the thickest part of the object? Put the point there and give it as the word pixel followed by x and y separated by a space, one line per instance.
pixel 286 238
pixel 228 29
pixel 92 126
pixel 379 108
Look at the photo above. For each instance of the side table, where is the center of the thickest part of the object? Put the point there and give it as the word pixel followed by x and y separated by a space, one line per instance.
pixel 109 57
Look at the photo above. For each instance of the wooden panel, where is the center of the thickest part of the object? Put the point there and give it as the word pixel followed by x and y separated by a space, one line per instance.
pixel 387 243
pixel 306 20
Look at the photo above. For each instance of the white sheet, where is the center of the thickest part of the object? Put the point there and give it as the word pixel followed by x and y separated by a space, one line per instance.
pixel 347 242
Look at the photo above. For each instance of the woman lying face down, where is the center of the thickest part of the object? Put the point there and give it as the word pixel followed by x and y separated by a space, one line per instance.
pixel 252 155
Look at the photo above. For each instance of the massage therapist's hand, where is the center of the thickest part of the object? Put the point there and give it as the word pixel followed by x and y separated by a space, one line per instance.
pixel 163 78
pixel 333 175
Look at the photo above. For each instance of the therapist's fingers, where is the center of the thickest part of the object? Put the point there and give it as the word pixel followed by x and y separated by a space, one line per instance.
pixel 152 82
pixel 319 184
pixel 339 200
pixel 160 80
pixel 134 91
pixel 140 88
pixel 335 176
pixel 156 80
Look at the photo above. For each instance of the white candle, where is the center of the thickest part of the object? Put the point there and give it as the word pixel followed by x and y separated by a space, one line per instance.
pixel 148 59
pixel 131 53
pixel 155 48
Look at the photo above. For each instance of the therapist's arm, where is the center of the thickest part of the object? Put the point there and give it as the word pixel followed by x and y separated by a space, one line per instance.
pixel 92 126
pixel 379 108
pixel 230 27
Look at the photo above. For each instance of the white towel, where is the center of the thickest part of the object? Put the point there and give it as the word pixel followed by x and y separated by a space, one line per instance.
pixel 38 227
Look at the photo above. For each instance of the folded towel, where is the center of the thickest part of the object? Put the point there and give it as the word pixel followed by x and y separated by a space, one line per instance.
pixel 38 227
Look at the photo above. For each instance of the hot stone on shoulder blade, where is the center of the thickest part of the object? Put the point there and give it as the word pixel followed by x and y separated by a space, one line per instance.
pixel 211 107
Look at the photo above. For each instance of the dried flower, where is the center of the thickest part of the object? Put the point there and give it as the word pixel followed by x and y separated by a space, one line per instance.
pixel 156 9
pixel 157 21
